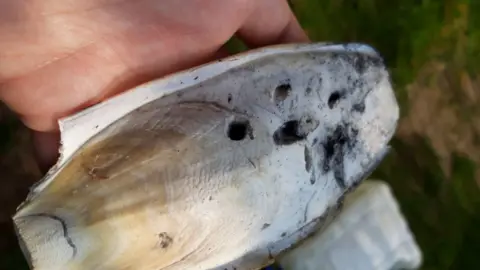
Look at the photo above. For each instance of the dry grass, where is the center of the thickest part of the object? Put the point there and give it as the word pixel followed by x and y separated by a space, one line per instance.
pixel 445 113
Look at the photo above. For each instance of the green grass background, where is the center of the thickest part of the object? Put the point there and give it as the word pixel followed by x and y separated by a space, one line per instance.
pixel 443 212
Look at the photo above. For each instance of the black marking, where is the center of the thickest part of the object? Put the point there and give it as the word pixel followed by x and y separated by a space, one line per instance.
pixel 196 78
pixel 164 240
pixel 251 162
pixel 288 133
pixel 308 158
pixel 64 228
pixel 359 107
pixel 250 132
pixel 335 148
pixel 360 64
pixel 339 168
pixel 308 90
pixel 229 98
pixel 334 140
pixel 335 98
pixel 283 234
pixel 313 178
pixel 266 225
pixel 353 138
pixel 358 83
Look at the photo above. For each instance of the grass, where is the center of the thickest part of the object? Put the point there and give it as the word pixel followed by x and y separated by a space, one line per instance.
pixel 442 212
pixel 442 209
pixel 442 206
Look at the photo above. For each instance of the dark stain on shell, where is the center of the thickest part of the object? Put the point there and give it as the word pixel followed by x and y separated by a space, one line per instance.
pixel 308 91
pixel 359 107
pixel 308 158
pixel 335 147
pixel 361 62
pixel 335 98
pixel 288 133
pixel 313 177
pixel 266 225
pixel 164 240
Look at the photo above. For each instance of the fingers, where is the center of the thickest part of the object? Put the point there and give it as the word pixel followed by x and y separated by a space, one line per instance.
pixel 271 22
pixel 47 143
pixel 108 65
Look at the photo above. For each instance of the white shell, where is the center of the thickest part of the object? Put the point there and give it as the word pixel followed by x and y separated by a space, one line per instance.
pixel 370 231
pixel 152 179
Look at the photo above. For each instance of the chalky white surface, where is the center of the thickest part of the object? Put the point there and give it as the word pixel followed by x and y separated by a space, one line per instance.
pixel 369 234
pixel 225 204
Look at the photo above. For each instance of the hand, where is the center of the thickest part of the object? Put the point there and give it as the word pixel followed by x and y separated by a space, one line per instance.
pixel 60 56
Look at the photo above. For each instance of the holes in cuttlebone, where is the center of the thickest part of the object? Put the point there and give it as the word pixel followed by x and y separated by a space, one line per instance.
pixel 239 129
pixel 288 133
pixel 334 98
pixel 282 91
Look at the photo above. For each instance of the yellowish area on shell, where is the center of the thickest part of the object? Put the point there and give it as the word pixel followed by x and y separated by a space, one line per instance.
pixel 204 229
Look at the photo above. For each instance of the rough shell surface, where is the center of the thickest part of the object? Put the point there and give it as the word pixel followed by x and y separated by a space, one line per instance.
pixel 370 231
pixel 220 167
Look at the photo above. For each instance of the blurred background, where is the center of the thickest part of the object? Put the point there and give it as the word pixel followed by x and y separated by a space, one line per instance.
pixel 432 48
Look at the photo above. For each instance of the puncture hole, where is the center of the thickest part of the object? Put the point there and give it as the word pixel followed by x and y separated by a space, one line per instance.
pixel 288 133
pixel 282 91
pixel 333 99
pixel 238 130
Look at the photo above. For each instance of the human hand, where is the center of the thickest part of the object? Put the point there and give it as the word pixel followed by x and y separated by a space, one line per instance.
pixel 61 56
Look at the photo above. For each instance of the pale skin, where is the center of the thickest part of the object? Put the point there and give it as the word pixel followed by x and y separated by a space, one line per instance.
pixel 60 56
